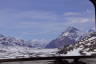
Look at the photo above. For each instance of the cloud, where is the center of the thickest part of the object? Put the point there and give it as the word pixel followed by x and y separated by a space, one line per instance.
pixel 37 33
pixel 79 17
pixel 43 15
pixel 42 27
pixel 26 19
pixel 78 20
pixel 71 14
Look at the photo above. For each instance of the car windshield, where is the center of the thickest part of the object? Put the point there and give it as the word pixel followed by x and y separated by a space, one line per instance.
pixel 46 28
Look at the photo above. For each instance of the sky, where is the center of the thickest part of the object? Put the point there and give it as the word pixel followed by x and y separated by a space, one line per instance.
pixel 44 19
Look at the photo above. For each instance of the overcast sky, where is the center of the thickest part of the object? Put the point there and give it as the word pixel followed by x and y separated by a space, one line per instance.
pixel 44 19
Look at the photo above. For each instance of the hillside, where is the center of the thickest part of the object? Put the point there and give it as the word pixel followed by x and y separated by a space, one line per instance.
pixel 85 46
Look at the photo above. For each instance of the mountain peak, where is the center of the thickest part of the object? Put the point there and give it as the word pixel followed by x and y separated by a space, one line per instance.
pixel 71 29
pixel 70 36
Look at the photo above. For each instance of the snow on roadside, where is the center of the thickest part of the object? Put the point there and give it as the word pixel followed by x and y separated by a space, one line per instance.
pixel 74 52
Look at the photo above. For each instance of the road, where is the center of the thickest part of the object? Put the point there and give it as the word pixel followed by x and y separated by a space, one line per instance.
pixel 88 61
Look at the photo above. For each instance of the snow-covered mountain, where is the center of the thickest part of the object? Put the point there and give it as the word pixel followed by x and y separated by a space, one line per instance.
pixel 72 40
pixel 86 46
pixel 11 47
pixel 39 43
pixel 69 36
pixel 11 41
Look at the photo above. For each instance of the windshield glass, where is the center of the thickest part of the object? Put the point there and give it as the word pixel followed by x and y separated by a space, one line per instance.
pixel 44 28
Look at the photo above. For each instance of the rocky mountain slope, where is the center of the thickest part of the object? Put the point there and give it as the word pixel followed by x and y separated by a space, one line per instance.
pixel 69 36
pixel 85 46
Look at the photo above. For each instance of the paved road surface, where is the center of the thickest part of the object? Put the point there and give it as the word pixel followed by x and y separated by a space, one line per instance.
pixel 88 61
